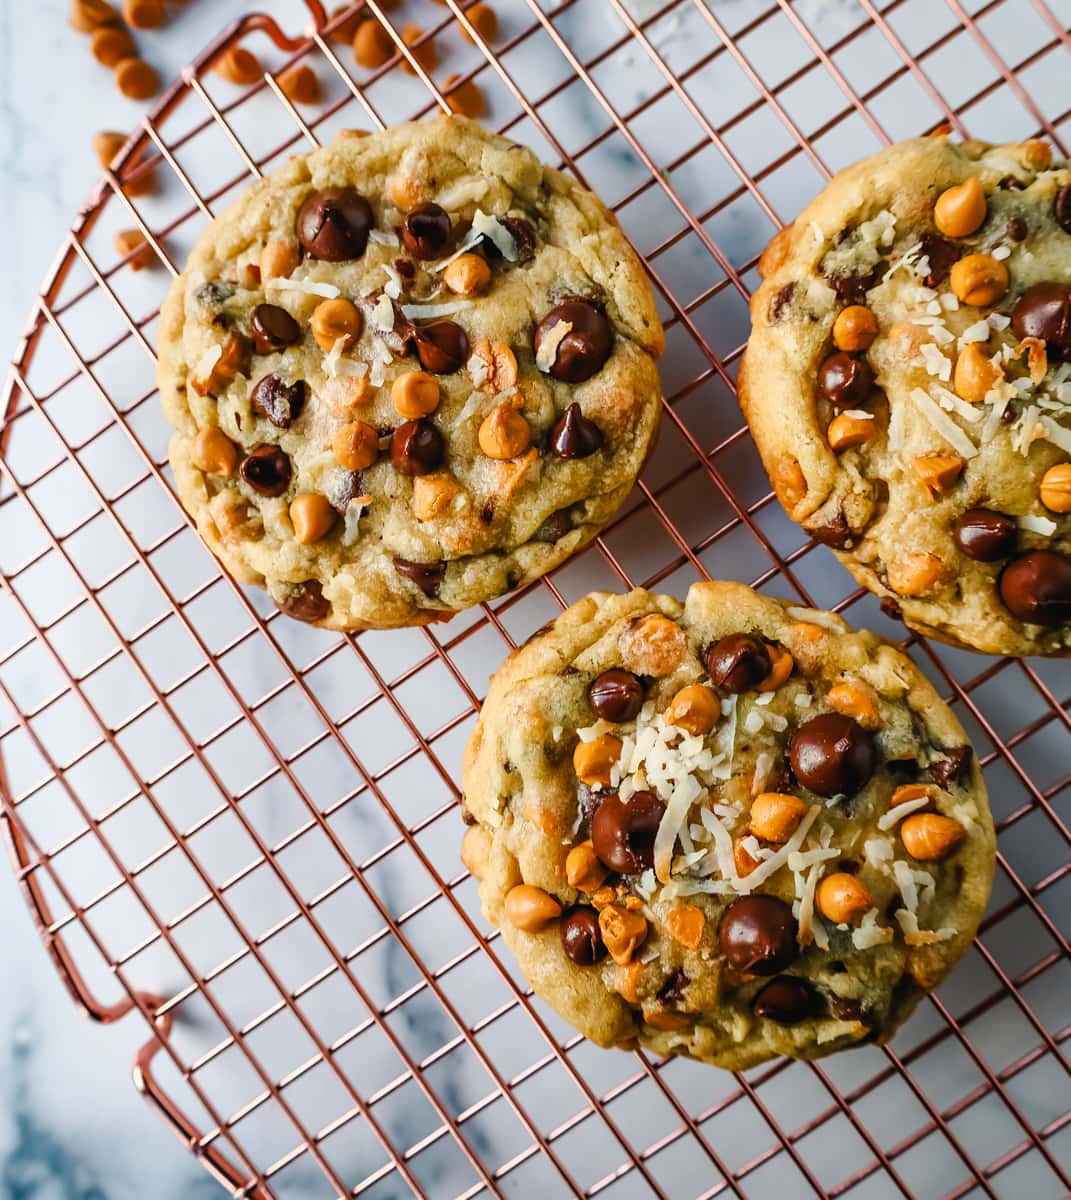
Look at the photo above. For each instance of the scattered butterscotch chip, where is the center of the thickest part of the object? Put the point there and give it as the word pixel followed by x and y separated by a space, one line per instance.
pixel 238 65
pixel 87 15
pixel 277 260
pixel 372 44
pixel 132 242
pixel 343 32
pixel 938 472
pixel 110 44
pixel 1055 488
pixel 136 79
pixel 465 98
pixel 484 20
pixel 144 14
pixel 424 54
pixel 300 84
pixel 107 144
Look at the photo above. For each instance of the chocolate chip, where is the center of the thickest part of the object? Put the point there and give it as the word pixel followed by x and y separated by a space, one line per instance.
pixel 737 663
pixel 835 533
pixel 1017 229
pixel 616 695
pixel 1011 183
pixel 273 328
pixel 943 256
pixel 584 348
pixel 832 755
pixel 427 576
pixel 574 436
pixel 779 301
pixel 985 535
pixel 555 527
pixel 846 382
pixel 305 602
pixel 853 286
pixel 405 269
pixel 949 770
pixel 786 1000
pixel 1036 587
pixel 487 511
pixel 442 347
pixel 758 935
pixel 1061 208
pixel 623 832
pixel 213 295
pixel 891 609
pixel 348 485
pixel 524 236
pixel 416 448
pixel 426 231
pixel 333 224
pixel 672 991
pixel 280 403
pixel 845 1009
pixel 1010 414
pixel 267 470
pixel 581 939
pixel 1044 311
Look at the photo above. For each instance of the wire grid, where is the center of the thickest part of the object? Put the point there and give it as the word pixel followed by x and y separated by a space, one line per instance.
pixel 246 829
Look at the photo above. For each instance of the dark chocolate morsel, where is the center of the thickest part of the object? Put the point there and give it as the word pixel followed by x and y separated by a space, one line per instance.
pixel 786 1000
pixel 584 349
pixel 574 436
pixel 985 535
pixel 555 527
pixel 852 286
pixel 948 770
pixel 942 255
pixel 836 533
pixel 737 662
pixel 333 224
pixel 1044 311
pixel 427 576
pixel 1061 208
pixel 891 609
pixel 758 935
pixel 846 382
pixel 581 939
pixel 305 602
pixel 267 470
pixel 623 832
pixel 348 486
pixel 416 448
pixel 442 347
pixel 844 1008
pixel 1017 229
pixel 278 402
pixel 832 755
pixel 616 695
pixel 524 237
pixel 1036 587
pixel 273 328
pixel 779 301
pixel 426 231
pixel 672 991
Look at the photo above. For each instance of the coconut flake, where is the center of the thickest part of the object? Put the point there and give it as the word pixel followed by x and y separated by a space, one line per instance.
pixel 905 881
pixel 895 815
pixel 870 933
pixel 332 357
pixel 417 312
pixel 935 362
pixel 1057 434
pixel 780 857
pixel 310 287
pixel 493 229
pixel 381 318
pixel 461 192
pixel 816 616
pixel 393 286
pixel 878 851
pixel 1034 524
pixel 943 424
pixel 548 346
pixel 207 362
pixel 382 238
pixel 673 820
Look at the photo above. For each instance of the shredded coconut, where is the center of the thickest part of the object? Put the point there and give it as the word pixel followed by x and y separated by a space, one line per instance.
pixel 1034 524
pixel 943 424
pixel 548 347
pixel 310 287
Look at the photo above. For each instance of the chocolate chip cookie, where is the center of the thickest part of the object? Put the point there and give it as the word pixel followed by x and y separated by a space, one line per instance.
pixel 730 828
pixel 908 383
pixel 407 372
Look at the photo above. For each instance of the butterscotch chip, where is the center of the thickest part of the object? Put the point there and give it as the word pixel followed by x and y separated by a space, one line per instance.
pixel 106 145
pixel 87 15
pixel 136 79
pixel 484 20
pixel 300 84
pixel 343 32
pixel 132 242
pixel 238 65
pixel 144 14
pixel 464 98
pixel 110 44
pixel 424 54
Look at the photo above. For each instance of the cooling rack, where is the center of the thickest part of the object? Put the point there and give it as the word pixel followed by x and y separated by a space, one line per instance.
pixel 244 831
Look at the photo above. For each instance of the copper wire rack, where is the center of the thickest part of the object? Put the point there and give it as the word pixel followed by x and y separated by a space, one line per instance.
pixel 244 831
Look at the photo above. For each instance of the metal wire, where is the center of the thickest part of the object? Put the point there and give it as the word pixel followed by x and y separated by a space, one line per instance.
pixel 255 848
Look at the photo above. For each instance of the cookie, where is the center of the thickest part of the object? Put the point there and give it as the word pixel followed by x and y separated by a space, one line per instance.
pixel 908 384
pixel 730 828
pixel 407 372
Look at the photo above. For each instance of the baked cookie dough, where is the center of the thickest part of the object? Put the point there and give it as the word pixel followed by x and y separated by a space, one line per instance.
pixel 908 384
pixel 408 372
pixel 730 828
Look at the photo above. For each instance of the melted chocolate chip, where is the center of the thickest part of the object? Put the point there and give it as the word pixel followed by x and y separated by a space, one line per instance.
pixel 852 286
pixel 616 695
pixel 574 436
pixel 786 1000
pixel 214 295
pixel 405 269
pixel 779 301
pixel 737 663
pixel 581 939
pixel 417 448
pixel 584 349
pixel 427 576
pixel 672 991
pixel 273 328
pixel 832 755
pixel 426 231
pixel 1061 208
pixel 835 533
pixel 555 527
pixel 524 237
pixel 333 224
pixel 278 402
pixel 1011 183
pixel 1036 588
pixel 1044 311
pixel 985 535
pixel 267 470
pixel 1017 229
pixel 845 1009
pixel 442 347
pixel 305 602
pixel 846 382
pixel 348 486
pixel 943 256
pixel 950 769
pixel 891 609
pixel 758 935
pixel 623 832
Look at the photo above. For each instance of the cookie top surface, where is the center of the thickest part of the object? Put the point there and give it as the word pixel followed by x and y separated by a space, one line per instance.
pixel 771 841
pixel 908 384
pixel 407 372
